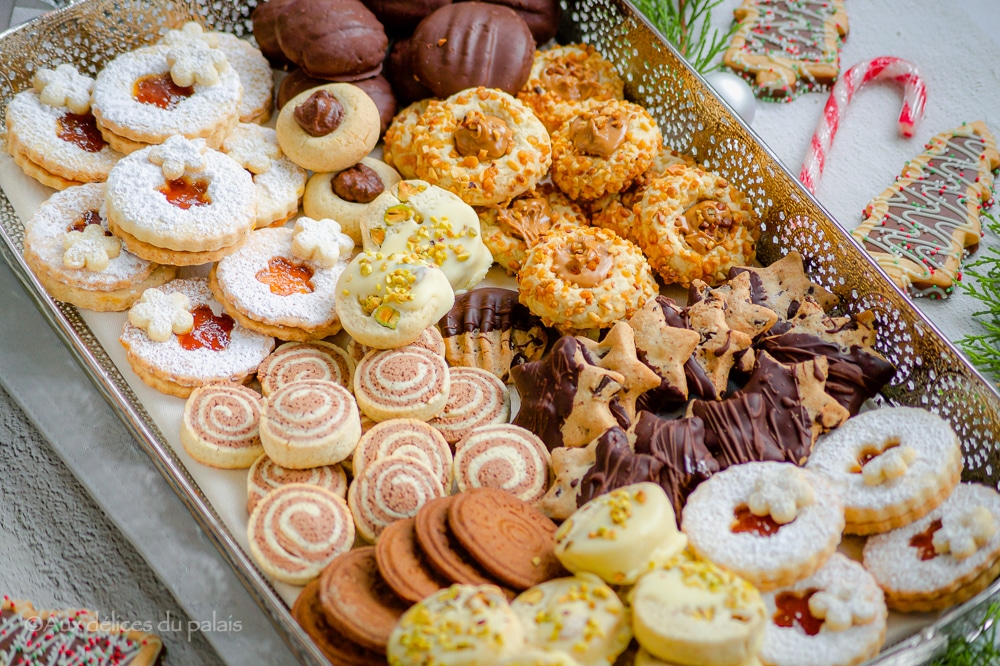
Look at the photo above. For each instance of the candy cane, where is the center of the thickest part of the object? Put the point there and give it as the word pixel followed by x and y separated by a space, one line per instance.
pixel 885 67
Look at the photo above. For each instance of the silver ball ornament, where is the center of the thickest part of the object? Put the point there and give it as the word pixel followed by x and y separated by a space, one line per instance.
pixel 736 91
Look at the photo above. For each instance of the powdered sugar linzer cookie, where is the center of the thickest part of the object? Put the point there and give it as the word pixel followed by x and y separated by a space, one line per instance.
pixel 279 182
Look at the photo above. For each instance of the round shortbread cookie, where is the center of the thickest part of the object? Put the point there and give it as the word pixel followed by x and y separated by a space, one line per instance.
pixel 298 361
pixel 19 155
pixel 388 490
pixel 503 456
pixel 430 339
pixel 297 530
pixel 771 523
pixel 68 264
pixel 308 612
pixel 409 382
pixel 643 658
pixel 892 466
pixel 216 349
pixel 402 564
pixel 398 150
pixel 483 145
pixel 443 552
pixel 221 426
pixel 405 438
pixel 309 423
pixel 266 475
pixel 476 398
pixel 345 195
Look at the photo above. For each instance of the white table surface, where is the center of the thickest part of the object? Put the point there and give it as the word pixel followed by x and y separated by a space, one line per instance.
pixel 125 513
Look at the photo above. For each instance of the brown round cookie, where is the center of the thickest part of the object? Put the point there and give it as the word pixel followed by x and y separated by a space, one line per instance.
pixel 356 600
pixel 377 88
pixel 265 20
pixel 472 44
pixel 508 537
pixel 399 72
pixel 308 612
pixel 338 40
pixel 400 16
pixel 402 563
pixel 293 83
pixel 542 16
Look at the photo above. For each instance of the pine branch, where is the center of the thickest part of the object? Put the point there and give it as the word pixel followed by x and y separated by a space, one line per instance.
pixel 687 24
pixel 982 651
pixel 984 349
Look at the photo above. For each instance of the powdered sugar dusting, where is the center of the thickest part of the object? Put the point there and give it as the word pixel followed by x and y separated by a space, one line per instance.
pixel 254 72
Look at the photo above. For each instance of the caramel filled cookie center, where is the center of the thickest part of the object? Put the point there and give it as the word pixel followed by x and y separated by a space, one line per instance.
pixel 527 219
pixel 705 223
pixel 483 136
pixel 599 135
pixel 586 263
pixel 186 193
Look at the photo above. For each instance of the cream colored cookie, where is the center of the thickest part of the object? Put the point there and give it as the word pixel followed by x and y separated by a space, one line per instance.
pixel 221 426
pixel 345 195
pixel 387 301
pixel 296 361
pixel 569 464
pixel 483 145
pixel 621 535
pixel 342 122
pixel 643 658
pixel 405 383
pixel 279 181
pixel 398 150
pixel 32 170
pixel 309 424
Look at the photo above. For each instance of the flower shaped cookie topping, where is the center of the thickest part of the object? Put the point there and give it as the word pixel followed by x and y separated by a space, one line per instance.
pixel 842 607
pixel 196 62
pixel 780 491
pixel 190 32
pixel 178 155
pixel 964 533
pixel 890 464
pixel 90 248
pixel 64 86
pixel 320 241
pixel 253 147
pixel 160 314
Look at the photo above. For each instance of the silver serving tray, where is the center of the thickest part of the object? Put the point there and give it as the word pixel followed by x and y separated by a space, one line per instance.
pixel 931 371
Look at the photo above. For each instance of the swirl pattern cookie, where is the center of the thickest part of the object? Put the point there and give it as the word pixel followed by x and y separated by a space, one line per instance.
pixel 221 426
pixel 388 490
pixel 297 530
pixel 476 398
pixel 310 423
pixel 483 145
pixel 405 438
pixel 279 182
pixel 298 361
pixel 266 475
pixel 409 382
pixel 503 456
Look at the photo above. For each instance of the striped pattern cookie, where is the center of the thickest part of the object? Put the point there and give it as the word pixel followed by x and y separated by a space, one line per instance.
pixel 503 456
pixel 405 438
pixel 388 490
pixel 298 361
pixel 408 382
pixel 476 398
pixel 221 425
pixel 266 475
pixel 310 423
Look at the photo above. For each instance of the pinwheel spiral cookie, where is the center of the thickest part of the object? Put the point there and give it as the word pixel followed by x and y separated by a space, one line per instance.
pixel 180 203
pixel 837 616
pixel 145 96
pixel 68 248
pixel 483 145
pixel 695 225
pixel 387 301
pixel 266 475
pixel 405 438
pixel 279 181
pixel 345 195
pixel 296 530
pixel 390 489
pixel 583 279
pixel 943 559
pixel 475 398
pixel 770 523
pixel 510 229
pixel 399 151
pixel 310 423
pixel 892 465
pixel 506 457
pixel 297 361
pixel 603 148
pixel 283 282
pixel 51 133
pixel 408 382
pixel 221 426
pixel 414 216
pixel 176 341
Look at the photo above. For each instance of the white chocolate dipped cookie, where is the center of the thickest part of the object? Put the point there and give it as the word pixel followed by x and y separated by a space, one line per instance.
pixel 86 267
pixel 298 361
pixel 177 338
pixel 279 182
pixel 180 203
pixel 283 282
pixel 621 535
pixel 346 195
pixel 405 438
pixel 837 616
pixel 771 523
pixel 266 475
pixel 387 301
pixel 408 382
pixel 298 529
pixel 694 612
pixel 579 615
pixel 414 216
pixel 475 398
pixel 310 423
pixel 892 465
pixel 942 559
pixel 390 489
pixel 221 426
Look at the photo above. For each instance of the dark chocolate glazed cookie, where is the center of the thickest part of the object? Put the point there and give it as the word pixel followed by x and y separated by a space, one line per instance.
pixel 542 16
pixel 400 16
pixel 338 40
pixel 265 21
pixel 472 44
pixel 399 71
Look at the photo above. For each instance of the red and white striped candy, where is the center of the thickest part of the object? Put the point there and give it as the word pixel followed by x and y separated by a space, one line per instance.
pixel 853 80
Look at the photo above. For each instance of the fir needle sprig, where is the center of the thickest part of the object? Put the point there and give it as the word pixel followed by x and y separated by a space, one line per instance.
pixel 687 24
pixel 984 349
pixel 983 651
